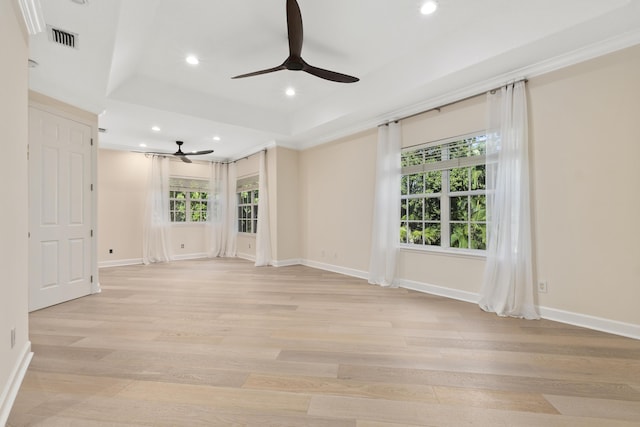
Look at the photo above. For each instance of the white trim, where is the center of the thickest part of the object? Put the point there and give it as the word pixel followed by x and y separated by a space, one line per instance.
pixel 119 263
pixel 609 326
pixel 186 257
pixel 32 14
pixel 287 262
pixel 336 269
pixel 449 252
pixel 248 257
pixel 8 396
pixel 574 57
pixel 628 330
pixel 253 151
pixel 438 290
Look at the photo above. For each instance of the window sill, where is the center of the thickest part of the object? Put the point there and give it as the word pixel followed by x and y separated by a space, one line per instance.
pixel 240 233
pixel 461 253
pixel 187 224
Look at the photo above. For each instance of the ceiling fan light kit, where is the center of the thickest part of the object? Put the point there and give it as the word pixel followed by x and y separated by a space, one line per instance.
pixel 295 62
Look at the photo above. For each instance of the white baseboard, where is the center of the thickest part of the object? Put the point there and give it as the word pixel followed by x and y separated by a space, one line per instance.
pixel 119 263
pixel 248 257
pixel 138 261
pixel 186 257
pixel 614 327
pixel 628 330
pixel 286 262
pixel 8 396
pixel 336 269
pixel 438 290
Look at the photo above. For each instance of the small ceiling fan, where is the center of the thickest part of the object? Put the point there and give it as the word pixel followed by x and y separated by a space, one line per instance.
pixel 295 62
pixel 182 155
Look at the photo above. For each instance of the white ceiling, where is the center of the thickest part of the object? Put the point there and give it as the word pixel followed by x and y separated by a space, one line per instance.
pixel 130 63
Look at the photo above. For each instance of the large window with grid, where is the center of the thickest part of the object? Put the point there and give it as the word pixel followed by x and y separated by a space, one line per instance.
pixel 443 194
pixel 247 198
pixel 188 200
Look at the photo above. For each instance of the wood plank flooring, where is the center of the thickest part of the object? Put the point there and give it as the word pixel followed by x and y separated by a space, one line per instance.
pixel 221 343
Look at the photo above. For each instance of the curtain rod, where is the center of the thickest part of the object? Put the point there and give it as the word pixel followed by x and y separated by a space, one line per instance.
pixel 243 158
pixel 448 104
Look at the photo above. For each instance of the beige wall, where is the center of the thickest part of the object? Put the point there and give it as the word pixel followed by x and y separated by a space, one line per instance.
pixel 584 127
pixel 122 183
pixel 336 196
pixel 13 222
pixel 584 145
pixel 286 200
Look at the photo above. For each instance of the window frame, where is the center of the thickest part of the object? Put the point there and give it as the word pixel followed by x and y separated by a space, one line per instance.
pixel 445 165
pixel 189 185
pixel 248 184
pixel 252 218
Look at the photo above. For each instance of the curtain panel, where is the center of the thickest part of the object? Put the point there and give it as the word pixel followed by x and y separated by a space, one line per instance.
pixel 386 210
pixel 507 288
pixel 263 233
pixel 217 212
pixel 156 228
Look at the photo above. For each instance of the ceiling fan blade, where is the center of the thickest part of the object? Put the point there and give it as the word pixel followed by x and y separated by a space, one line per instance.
pixel 257 73
pixel 329 75
pixel 294 28
pixel 184 159
pixel 198 153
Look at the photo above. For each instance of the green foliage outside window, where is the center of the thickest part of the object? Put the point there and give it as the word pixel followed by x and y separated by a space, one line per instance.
pixel 188 206
pixel 248 211
pixel 430 185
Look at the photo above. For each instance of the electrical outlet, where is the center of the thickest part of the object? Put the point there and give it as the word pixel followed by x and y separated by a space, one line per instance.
pixel 543 287
pixel 13 337
pixel 110 251
pixel 182 246
pixel 249 245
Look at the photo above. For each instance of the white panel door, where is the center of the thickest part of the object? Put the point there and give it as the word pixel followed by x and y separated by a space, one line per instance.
pixel 59 209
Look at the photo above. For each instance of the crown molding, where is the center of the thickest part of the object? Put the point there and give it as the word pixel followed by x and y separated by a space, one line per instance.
pixel 32 14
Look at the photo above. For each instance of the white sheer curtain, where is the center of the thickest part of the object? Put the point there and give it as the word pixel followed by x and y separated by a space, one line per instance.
pixel 386 211
pixel 263 234
pixel 217 210
pixel 156 227
pixel 507 288
pixel 232 212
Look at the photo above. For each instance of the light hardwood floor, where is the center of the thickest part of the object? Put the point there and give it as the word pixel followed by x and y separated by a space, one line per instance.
pixel 221 343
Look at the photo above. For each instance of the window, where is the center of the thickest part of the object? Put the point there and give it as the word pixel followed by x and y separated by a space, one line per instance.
pixel 443 194
pixel 188 200
pixel 247 189
pixel 248 211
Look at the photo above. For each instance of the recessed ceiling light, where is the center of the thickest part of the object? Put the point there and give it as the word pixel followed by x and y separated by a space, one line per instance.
pixel 143 145
pixel 155 129
pixel 193 60
pixel 429 7
pixel 216 138
pixel 290 92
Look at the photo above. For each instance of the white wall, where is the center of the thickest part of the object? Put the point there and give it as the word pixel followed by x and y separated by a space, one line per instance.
pixel 13 220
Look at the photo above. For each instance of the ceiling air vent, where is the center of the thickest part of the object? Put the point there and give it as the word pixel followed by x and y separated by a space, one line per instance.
pixel 62 37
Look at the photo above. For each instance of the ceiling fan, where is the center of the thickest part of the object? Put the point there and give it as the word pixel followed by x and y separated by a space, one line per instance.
pixel 182 155
pixel 295 62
